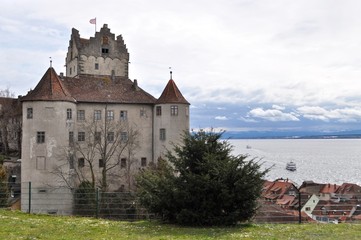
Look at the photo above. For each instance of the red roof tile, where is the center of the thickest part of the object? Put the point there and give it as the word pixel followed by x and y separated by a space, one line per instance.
pixel 50 88
pixel 171 94
pixel 88 88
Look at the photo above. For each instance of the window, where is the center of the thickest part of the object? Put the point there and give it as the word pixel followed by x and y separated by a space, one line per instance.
pixel 101 163
pixel 96 66
pixel 142 112
pixel 71 162
pixel 123 115
pixel 81 136
pixel 40 137
pixel 308 209
pixel 174 110
pixel 105 50
pixel 110 137
pixel 158 110
pixel 81 162
pixel 123 163
pixel 40 163
pixel 29 113
pixel 143 162
pixel 71 137
pixel 162 134
pixel 110 115
pixel 97 114
pixel 97 137
pixel 70 70
pixel 68 114
pixel 81 115
pixel 187 111
pixel 124 136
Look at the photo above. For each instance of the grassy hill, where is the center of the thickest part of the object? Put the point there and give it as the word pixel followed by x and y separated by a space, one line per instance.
pixel 17 225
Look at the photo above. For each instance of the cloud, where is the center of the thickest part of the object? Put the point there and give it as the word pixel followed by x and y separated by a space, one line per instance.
pixel 343 115
pixel 273 115
pixel 223 118
pixel 278 107
pixel 248 120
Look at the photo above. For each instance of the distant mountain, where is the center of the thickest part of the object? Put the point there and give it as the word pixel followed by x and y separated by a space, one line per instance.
pixel 291 135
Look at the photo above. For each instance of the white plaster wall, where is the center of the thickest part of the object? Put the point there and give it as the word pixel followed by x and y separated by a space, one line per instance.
pixel 49 117
pixel 174 125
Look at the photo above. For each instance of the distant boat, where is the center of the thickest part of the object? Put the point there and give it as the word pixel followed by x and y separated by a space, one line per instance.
pixel 291 166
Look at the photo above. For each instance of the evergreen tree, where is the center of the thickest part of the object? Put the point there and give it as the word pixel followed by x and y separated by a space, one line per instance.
pixel 4 191
pixel 204 184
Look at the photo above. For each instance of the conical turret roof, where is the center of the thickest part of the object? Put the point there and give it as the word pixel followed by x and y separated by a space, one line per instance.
pixel 50 88
pixel 171 94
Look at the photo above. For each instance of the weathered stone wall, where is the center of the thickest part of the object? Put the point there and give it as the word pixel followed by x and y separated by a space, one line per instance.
pixel 174 126
pixel 109 53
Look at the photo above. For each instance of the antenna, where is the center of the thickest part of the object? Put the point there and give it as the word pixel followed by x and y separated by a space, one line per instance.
pixel 51 62
pixel 170 68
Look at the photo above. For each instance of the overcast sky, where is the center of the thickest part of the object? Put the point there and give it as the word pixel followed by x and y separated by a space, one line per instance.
pixel 243 65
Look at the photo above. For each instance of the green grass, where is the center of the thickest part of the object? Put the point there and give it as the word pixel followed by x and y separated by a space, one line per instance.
pixel 18 225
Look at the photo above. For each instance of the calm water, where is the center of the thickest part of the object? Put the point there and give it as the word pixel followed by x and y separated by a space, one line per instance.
pixel 321 160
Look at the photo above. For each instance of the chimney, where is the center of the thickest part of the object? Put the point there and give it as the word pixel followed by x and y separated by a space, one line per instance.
pixel 61 75
pixel 135 85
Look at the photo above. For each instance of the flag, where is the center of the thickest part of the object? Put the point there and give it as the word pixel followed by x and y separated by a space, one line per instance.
pixel 93 21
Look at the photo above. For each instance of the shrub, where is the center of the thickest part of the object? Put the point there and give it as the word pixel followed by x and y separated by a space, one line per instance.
pixel 202 184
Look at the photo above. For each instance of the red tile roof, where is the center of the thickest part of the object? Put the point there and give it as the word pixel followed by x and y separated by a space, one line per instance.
pixel 329 188
pixel 88 88
pixel 50 88
pixel 171 94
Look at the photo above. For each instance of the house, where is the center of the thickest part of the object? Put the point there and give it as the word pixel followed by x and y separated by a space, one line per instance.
pixel 94 123
pixel 281 192
pixel 328 191
pixel 348 191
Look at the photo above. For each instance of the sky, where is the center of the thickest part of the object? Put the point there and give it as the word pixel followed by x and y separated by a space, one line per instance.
pixel 244 65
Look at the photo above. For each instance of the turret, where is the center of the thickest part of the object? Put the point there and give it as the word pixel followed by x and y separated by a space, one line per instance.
pixel 171 119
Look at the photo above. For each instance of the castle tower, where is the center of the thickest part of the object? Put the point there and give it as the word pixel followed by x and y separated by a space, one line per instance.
pixel 99 55
pixel 171 119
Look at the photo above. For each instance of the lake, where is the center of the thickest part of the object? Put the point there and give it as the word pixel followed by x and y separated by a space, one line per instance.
pixel 320 160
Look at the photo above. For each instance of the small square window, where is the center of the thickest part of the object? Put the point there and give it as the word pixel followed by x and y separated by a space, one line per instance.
pixel 143 162
pixel 158 111
pixel 40 137
pixel 101 163
pixel 105 50
pixel 124 136
pixel 97 114
pixel 123 163
pixel 142 112
pixel 29 113
pixel 81 136
pixel 81 162
pixel 123 115
pixel 96 66
pixel 71 162
pixel 81 115
pixel 97 137
pixel 110 137
pixel 174 110
pixel 162 134
pixel 68 114
pixel 110 115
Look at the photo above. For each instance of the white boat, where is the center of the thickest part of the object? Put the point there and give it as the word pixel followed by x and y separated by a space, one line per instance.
pixel 291 166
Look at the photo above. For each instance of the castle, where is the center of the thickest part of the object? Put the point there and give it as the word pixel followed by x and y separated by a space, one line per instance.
pixel 95 121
